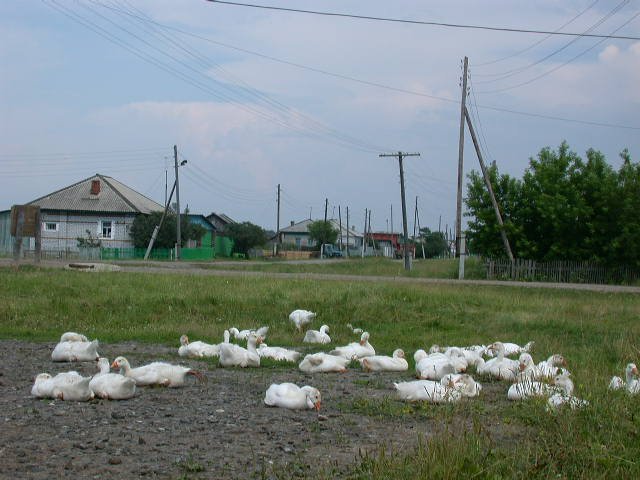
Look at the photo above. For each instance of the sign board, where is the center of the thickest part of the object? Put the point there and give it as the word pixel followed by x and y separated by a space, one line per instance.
pixel 28 216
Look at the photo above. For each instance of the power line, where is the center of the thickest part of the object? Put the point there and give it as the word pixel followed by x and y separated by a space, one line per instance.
pixel 422 22
pixel 520 52
pixel 558 67
pixel 375 84
pixel 515 71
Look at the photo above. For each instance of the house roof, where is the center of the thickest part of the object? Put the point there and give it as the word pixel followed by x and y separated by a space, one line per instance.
pixel 221 217
pixel 303 227
pixel 202 220
pixel 113 196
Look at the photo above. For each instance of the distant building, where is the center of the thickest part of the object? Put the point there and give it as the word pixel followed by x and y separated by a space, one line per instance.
pixel 98 206
pixel 210 232
pixel 297 234
pixel 219 221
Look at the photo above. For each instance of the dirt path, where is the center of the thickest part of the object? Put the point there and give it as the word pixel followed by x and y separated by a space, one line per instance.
pixel 218 429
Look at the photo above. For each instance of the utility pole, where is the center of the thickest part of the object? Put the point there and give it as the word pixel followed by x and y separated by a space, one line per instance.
pixel 340 226
pixel 278 219
pixel 364 233
pixel 400 155
pixel 392 218
pixel 347 231
pixel 326 205
pixel 463 106
pixel 178 234
pixel 415 218
pixel 487 181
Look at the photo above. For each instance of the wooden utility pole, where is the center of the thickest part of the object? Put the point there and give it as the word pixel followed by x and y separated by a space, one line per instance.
pixel 278 219
pixel 415 218
pixel 364 233
pixel 347 231
pixel 340 225
pixel 392 218
pixel 178 234
pixel 326 205
pixel 401 155
pixel 487 181
pixel 463 107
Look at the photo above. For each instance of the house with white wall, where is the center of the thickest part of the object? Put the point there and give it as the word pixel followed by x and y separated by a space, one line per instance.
pixel 98 206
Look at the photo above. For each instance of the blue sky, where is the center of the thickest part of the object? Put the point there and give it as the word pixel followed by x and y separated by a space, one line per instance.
pixel 74 103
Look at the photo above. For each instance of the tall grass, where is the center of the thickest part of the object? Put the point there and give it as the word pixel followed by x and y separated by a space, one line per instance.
pixel 482 438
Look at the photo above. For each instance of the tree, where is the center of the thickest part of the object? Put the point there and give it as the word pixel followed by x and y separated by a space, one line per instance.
pixel 245 236
pixel 143 226
pixel 435 243
pixel 322 232
pixel 89 242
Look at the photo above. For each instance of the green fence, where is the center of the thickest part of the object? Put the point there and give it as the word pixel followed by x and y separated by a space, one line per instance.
pixel 223 247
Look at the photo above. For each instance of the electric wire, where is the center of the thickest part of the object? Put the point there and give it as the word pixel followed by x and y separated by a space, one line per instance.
pixel 533 45
pixel 420 22
pixel 387 87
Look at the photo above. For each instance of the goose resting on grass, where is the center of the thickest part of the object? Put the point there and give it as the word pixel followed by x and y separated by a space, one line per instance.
pixel 442 391
pixel 279 354
pixel 232 355
pixel 565 396
pixel 315 336
pixel 75 351
pixel 197 349
pixel 499 367
pixel 356 350
pixel 289 395
pixel 111 386
pixel 382 363
pixel 511 349
pixel 323 363
pixel 244 334
pixel 64 386
pixel 157 373
pixel 632 384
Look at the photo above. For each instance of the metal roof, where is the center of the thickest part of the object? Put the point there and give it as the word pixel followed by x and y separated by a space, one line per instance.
pixel 303 227
pixel 113 197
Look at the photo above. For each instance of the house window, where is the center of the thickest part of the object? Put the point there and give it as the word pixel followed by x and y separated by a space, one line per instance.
pixel 50 227
pixel 106 229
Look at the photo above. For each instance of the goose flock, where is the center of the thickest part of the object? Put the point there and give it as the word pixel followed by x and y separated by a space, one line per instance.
pixel 442 374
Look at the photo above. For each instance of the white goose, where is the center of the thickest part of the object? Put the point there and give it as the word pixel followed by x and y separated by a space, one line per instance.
pixel 279 354
pixel 111 386
pixel 244 334
pixel 355 330
pixel 64 386
pixel 315 336
pixel 528 370
pixel 499 367
pixel 300 318
pixel 429 391
pixel 632 384
pixel 197 349
pixel 75 351
pixel 552 366
pixel 433 366
pixel 528 388
pixel 73 337
pixel 323 363
pixel 156 373
pixel 565 396
pixel 356 350
pixel 463 382
pixel 232 355
pixel 289 395
pixel 511 349
pixel 382 363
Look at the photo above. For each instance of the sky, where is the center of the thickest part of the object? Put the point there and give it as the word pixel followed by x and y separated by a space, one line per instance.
pixel 254 98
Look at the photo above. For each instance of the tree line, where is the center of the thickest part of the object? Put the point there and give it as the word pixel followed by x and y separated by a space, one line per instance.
pixel 563 208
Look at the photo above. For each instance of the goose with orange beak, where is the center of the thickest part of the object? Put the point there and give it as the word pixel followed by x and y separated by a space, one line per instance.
pixel 356 350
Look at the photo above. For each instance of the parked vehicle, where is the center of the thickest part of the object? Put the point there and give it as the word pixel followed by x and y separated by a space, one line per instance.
pixel 331 251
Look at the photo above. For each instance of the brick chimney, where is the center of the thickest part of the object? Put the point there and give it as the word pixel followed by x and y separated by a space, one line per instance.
pixel 95 187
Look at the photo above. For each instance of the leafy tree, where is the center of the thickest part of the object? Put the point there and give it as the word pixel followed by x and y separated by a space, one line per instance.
pixel 322 232
pixel 245 236
pixel 435 243
pixel 625 239
pixel 89 242
pixel 143 226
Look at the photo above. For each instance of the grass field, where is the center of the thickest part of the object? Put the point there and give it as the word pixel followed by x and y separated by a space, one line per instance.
pixel 431 268
pixel 597 332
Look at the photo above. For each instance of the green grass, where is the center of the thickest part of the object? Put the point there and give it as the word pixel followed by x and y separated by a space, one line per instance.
pixel 436 268
pixel 482 438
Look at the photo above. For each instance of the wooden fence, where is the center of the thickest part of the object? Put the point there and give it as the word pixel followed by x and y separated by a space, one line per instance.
pixel 559 271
